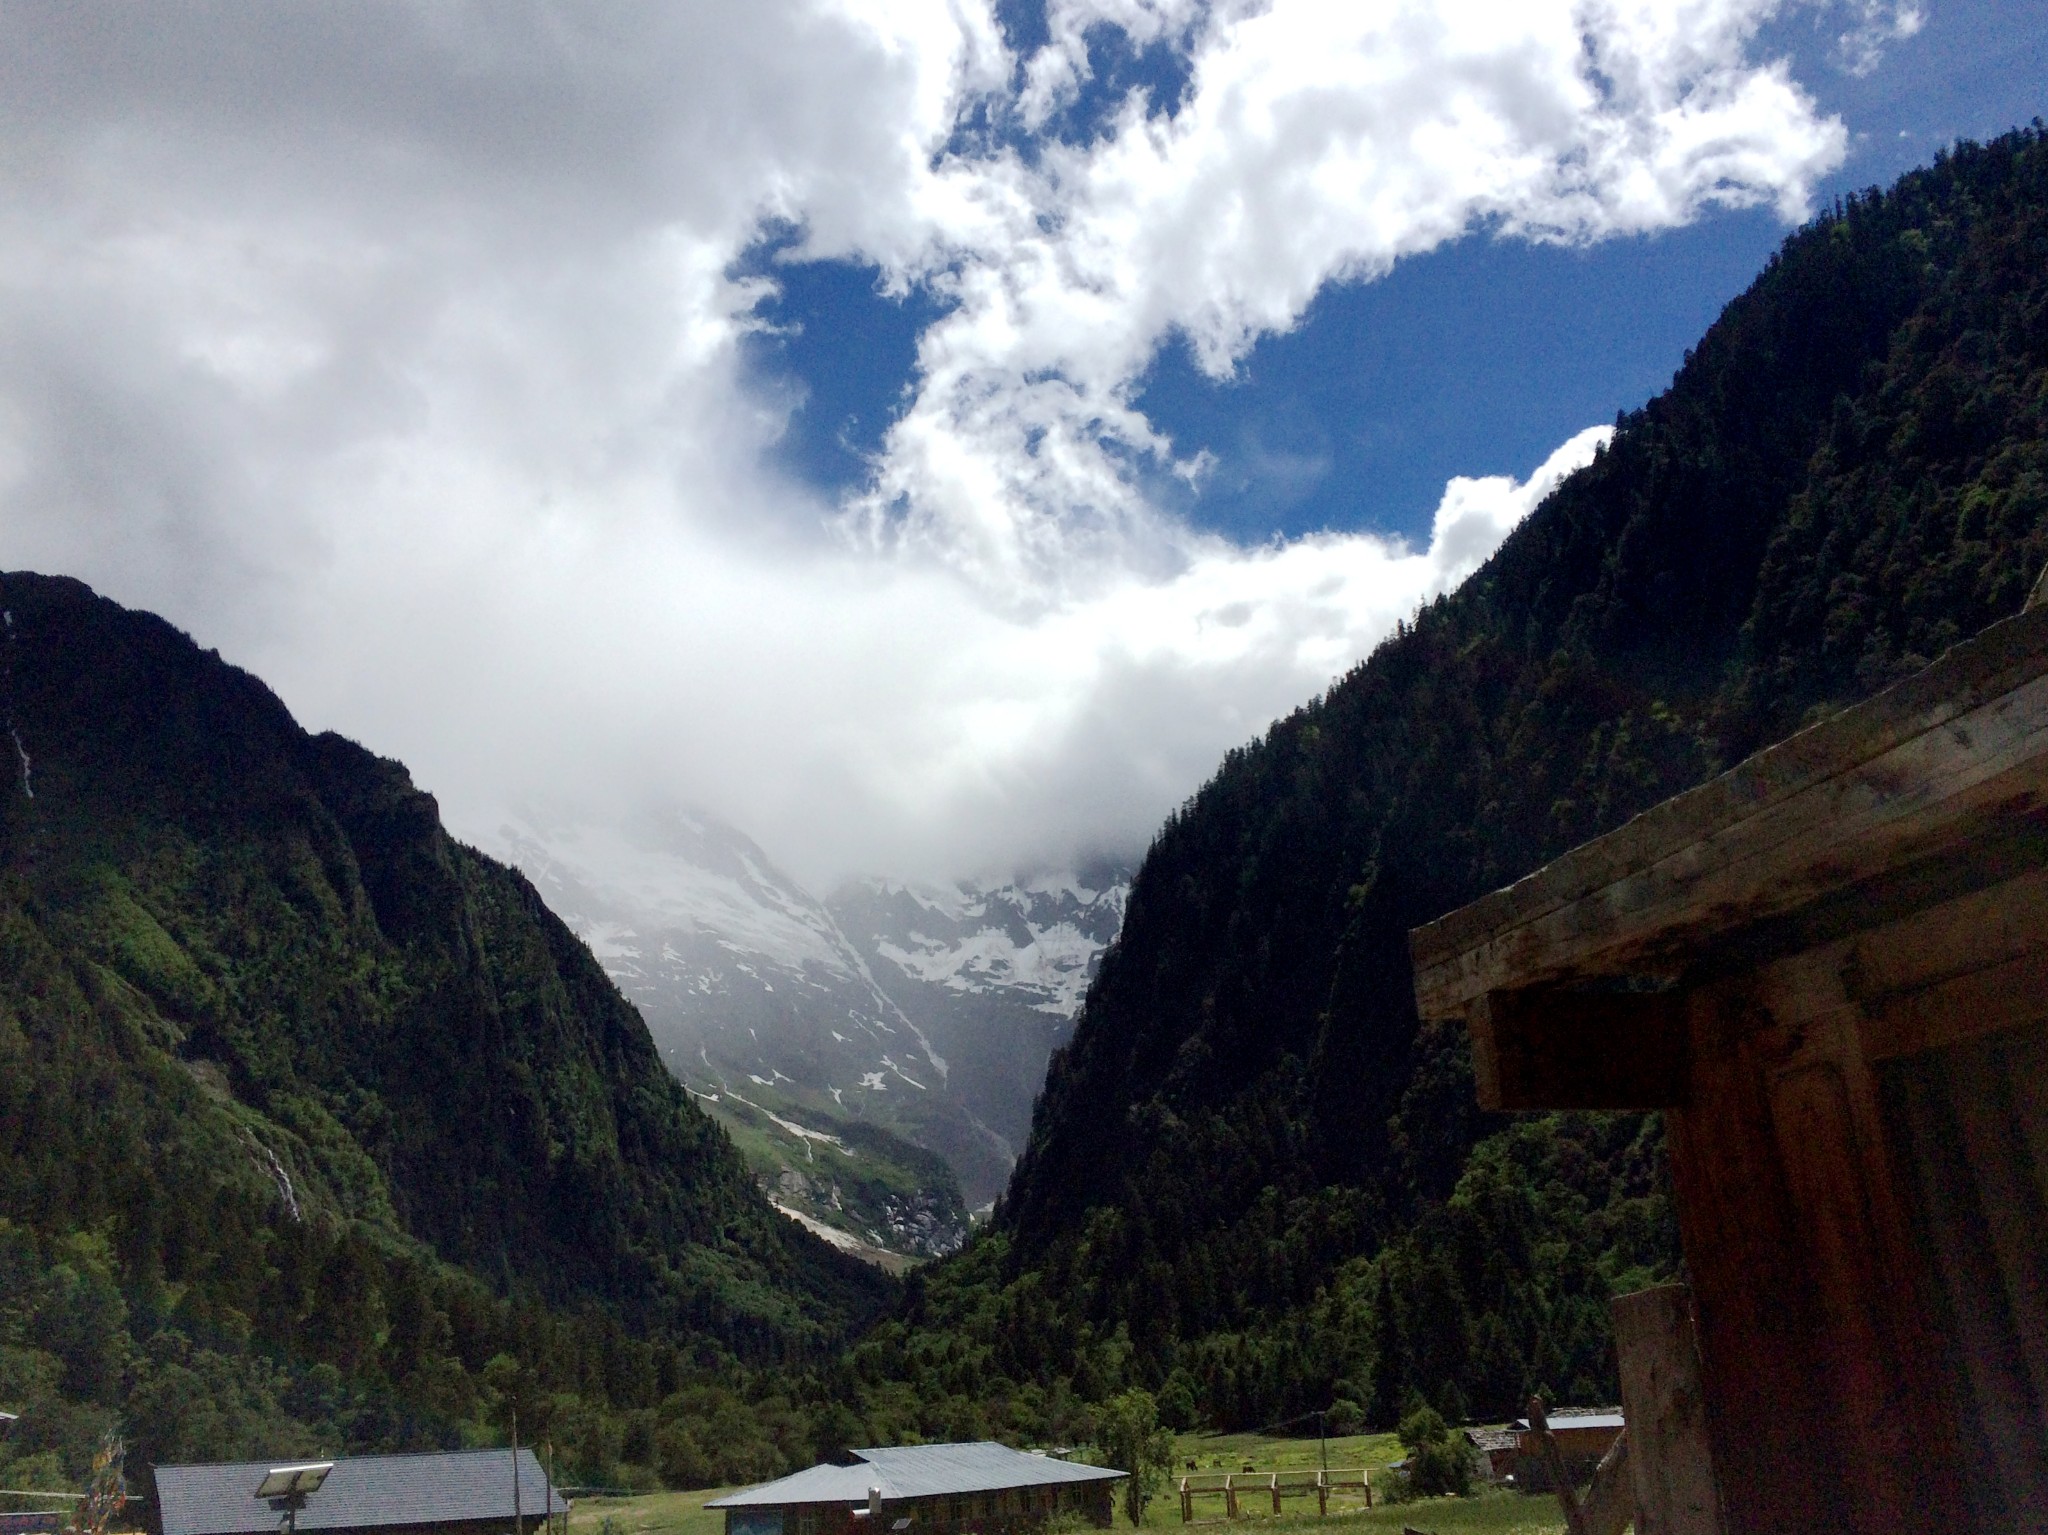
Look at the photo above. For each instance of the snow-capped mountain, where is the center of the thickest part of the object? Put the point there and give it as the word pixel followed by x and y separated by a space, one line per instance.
pixel 990 977
pixel 827 1033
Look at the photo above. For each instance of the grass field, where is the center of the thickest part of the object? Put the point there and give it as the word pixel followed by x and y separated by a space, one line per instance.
pixel 1491 1513
pixel 654 1513
pixel 1266 1453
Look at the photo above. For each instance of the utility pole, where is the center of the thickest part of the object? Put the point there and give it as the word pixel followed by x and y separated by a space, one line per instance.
pixel 1322 1440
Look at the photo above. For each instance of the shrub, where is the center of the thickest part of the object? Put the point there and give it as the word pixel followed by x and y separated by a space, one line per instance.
pixel 1438 1461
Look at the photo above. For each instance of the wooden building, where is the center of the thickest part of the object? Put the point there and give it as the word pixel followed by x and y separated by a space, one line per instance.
pixel 1829 968
pixel 1493 1452
pixel 1581 1437
pixel 929 1489
pixel 467 1492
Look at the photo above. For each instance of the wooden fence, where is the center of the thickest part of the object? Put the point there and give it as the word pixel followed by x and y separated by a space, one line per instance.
pixel 1234 1486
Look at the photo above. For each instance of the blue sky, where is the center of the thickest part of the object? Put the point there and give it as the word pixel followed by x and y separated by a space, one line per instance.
pixel 1477 358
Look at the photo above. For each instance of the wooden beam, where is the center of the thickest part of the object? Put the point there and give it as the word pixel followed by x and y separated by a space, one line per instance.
pixel 1959 970
pixel 1926 766
pixel 1559 1049
pixel 1664 1401
pixel 1970 966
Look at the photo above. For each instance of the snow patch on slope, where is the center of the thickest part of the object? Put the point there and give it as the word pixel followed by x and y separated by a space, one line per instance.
pixel 1041 938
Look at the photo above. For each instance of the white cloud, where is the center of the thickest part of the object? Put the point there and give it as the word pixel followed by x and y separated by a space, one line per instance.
pixel 1874 26
pixel 397 353
pixel 1317 143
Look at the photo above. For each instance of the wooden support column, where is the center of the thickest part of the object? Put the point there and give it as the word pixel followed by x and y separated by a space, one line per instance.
pixel 1665 1404
pixel 1817 1369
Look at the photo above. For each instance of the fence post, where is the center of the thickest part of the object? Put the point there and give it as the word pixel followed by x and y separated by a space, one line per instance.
pixel 1322 1493
pixel 1230 1494
pixel 1366 1476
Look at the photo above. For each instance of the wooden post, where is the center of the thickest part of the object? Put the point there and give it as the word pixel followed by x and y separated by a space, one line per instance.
pixel 1822 1404
pixel 1665 1404
pixel 1230 1495
pixel 1367 1476
pixel 516 1522
pixel 1276 1492
pixel 1610 1501
pixel 1187 1503
pixel 1323 1493
pixel 1553 1465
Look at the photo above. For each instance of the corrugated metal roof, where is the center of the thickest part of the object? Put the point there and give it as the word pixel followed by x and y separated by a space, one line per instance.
pixel 917 1471
pixel 363 1493
pixel 1560 1421
pixel 814 1484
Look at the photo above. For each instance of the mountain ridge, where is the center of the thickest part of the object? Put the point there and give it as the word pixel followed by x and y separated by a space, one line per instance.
pixel 276 1046
pixel 1254 1182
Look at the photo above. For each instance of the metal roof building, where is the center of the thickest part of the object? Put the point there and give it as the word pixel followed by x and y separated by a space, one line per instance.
pixel 932 1489
pixel 1564 1421
pixel 467 1492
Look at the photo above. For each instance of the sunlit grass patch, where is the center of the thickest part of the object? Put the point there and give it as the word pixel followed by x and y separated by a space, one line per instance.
pixel 653 1513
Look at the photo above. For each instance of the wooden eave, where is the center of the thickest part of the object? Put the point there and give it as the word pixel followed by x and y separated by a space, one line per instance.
pixel 1913 800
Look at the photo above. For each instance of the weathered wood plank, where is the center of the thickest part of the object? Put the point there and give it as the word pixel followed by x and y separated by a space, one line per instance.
pixel 1543 1049
pixel 1971 966
pixel 1970 1125
pixel 1774 1451
pixel 1610 1501
pixel 1965 968
pixel 1822 1378
pixel 1664 1401
pixel 1863 1374
pixel 1897 777
pixel 1929 794
pixel 2000 659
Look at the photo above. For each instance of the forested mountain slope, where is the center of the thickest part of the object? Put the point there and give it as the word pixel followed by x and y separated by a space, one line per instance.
pixel 318 1130
pixel 1252 1182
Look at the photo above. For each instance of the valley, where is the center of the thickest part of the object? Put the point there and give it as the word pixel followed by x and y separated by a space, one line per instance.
pixel 322 1130
pixel 874 1053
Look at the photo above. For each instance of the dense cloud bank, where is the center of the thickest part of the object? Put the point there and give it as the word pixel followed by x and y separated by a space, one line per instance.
pixel 398 353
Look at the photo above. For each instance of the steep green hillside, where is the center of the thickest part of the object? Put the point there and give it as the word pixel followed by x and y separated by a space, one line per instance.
pixel 1252 1180
pixel 870 1186
pixel 318 1130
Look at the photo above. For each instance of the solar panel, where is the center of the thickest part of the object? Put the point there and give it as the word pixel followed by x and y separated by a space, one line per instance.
pixel 294 1481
